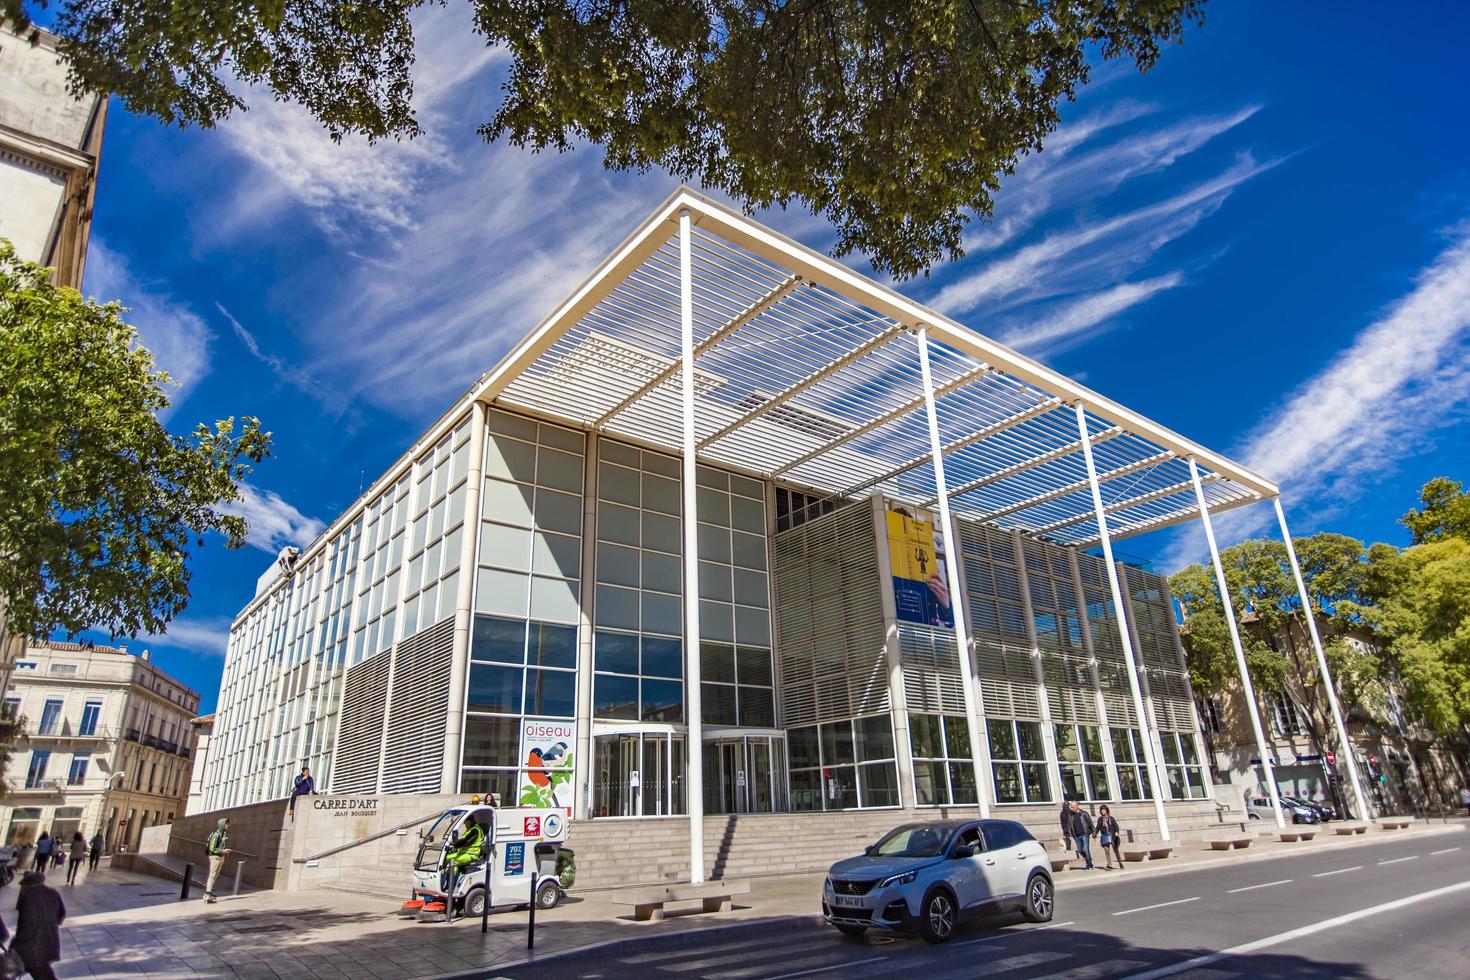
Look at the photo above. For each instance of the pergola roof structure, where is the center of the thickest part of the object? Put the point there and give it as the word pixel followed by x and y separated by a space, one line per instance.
pixel 808 372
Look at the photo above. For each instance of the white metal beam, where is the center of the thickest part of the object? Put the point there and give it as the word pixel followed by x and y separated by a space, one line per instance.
pixel 1124 633
pixel 694 749
pixel 771 298
pixel 1076 486
pixel 983 788
pixel 1026 464
pixel 1182 516
pixel 1120 505
pixel 1245 675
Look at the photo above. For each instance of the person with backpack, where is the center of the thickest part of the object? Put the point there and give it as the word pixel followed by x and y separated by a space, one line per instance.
pixel 1079 826
pixel 218 848
pixel 1107 836
pixel 45 848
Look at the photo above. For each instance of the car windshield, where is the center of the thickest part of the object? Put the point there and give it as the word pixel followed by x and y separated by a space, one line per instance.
pixel 432 846
pixel 913 840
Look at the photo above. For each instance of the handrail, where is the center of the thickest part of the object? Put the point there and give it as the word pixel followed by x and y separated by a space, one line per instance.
pixel 368 839
pixel 190 840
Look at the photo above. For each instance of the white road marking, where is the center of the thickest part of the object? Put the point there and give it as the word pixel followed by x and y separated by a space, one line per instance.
pixel 1022 962
pixel 824 969
pixel 1284 937
pixel 1247 888
pixel 1012 935
pixel 1158 906
pixel 1447 850
pixel 1096 971
pixel 1411 857
pixel 1339 871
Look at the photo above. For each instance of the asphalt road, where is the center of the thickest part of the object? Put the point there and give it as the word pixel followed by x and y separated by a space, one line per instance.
pixel 1389 909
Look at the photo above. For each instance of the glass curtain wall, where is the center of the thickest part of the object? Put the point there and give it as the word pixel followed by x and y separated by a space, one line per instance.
pixel 523 645
pixel 843 765
pixel 943 772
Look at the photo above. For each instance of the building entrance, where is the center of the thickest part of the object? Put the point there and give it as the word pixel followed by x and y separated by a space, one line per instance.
pixel 638 774
pixel 745 774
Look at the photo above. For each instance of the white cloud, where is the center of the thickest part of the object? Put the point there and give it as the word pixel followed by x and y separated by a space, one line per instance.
pixel 1404 377
pixel 1075 320
pixel 175 335
pixel 205 636
pixel 1125 241
pixel 274 523
pixel 287 371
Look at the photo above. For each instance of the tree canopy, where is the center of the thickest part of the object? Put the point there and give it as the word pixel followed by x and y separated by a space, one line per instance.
pixel 100 506
pixel 1443 512
pixel 893 119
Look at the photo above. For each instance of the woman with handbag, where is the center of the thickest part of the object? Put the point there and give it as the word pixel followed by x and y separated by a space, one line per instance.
pixel 1107 836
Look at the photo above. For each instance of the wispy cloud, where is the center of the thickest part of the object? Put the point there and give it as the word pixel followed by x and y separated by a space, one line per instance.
pixel 1381 399
pixel 209 636
pixel 1131 238
pixel 1076 319
pixel 274 523
pixel 288 372
pixel 176 336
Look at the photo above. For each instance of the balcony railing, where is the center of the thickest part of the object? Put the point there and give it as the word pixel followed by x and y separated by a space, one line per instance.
pixel 131 735
pixel 65 731
pixel 39 786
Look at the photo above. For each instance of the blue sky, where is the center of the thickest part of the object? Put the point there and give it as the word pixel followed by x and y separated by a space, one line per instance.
pixel 1263 244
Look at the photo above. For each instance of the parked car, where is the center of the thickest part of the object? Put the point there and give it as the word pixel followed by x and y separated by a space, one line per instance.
pixel 1260 809
pixel 922 877
pixel 1322 808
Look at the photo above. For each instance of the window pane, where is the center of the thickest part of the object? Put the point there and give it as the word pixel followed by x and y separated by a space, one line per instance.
pixel 714 543
pixel 615 697
pixel 714 506
pixel 748 515
pixel 616 652
pixel 557 554
pixel 840 788
pixel 1097 777
pixel 662 614
pixel 663 700
pixel 1002 740
pixel 491 741
pixel 662 573
pixel 930 787
pixel 757 707
pixel 662 533
pixel 1007 783
pixel 719 704
pixel 559 511
pixel 749 550
pixel 494 688
pixel 487 782
pixel 874 737
pixel 1170 744
pixel 663 657
pixel 551 692
pixel 717 662
pixel 500 592
pixel 617 607
pixel 1038 787
pixel 1067 748
pixel 1186 742
pixel 1122 747
pixel 957 737
pixel 801 744
pixel 806 790
pixel 837 747
pixel 510 459
pixel 752 626
pixel 1176 783
pixel 552 646
pixel 498 639
pixel 962 782
pixel 660 494
pixel 926 737
pixel 1030 733
pixel 716 621
pixel 879 784
pixel 617 484
pixel 1128 783
pixel 1092 744
pixel 554 599
pixel 750 588
pixel 618 524
pixel 560 470
pixel 1074 786
pixel 617 565
pixel 714 582
pixel 754 665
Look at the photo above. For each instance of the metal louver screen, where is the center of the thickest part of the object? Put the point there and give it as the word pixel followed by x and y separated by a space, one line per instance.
pixel 829 618
pixel 1112 669
pixel 418 711
pixel 998 623
pixel 360 731
pixel 931 670
pixel 1158 638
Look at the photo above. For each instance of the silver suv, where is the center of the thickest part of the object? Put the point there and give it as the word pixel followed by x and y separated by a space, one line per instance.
pixel 921 877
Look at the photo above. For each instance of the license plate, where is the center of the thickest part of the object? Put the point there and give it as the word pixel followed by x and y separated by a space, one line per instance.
pixel 847 901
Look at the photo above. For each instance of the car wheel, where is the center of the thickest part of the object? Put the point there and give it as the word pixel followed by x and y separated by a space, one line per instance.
pixel 1255 816
pixel 853 931
pixel 547 895
pixel 938 916
pixel 474 903
pixel 1040 899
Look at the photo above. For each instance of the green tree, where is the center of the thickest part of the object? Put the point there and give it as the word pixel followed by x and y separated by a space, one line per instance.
pixel 1445 512
pixel 100 506
pixel 893 119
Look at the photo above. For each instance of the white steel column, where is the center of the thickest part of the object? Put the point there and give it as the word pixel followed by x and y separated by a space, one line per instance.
pixel 464 613
pixel 1245 675
pixel 1121 612
pixel 694 746
pixel 1342 733
pixel 956 596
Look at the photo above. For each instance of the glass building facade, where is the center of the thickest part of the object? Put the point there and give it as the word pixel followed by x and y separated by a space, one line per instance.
pixel 816 695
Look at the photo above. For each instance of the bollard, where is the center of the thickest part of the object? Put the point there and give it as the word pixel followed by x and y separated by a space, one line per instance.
pixel 238 869
pixel 449 896
pixel 485 904
pixel 531 919
pixel 184 892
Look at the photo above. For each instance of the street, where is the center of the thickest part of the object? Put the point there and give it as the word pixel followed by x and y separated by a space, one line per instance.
pixel 1389 909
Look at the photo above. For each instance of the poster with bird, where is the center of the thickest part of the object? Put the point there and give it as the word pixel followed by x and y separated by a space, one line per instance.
pixel 546 760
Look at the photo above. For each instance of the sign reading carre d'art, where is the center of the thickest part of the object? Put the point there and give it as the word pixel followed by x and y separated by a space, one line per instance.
pixel 347 806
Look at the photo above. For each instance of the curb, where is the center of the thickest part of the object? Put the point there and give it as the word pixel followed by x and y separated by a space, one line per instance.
pixel 686 937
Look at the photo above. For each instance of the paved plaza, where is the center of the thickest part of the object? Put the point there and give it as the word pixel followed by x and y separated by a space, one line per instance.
pixel 122 923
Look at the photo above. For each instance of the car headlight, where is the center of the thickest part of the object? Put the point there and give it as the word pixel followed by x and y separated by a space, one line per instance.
pixel 902 879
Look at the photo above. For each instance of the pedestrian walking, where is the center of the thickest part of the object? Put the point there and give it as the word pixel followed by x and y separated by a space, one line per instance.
pixel 78 851
pixel 1066 817
pixel 1465 799
pixel 1107 835
pixel 45 847
pixel 94 851
pixel 1080 827
pixel 304 786
pixel 218 847
pixel 38 926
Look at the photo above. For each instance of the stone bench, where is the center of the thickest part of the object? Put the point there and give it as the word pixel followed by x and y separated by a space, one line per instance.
pixel 1061 864
pixel 648 901
pixel 1394 824
pixel 1147 853
pixel 1290 836
pixel 1348 829
pixel 1226 843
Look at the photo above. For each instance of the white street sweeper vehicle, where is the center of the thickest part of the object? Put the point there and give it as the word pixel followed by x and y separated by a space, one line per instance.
pixel 450 870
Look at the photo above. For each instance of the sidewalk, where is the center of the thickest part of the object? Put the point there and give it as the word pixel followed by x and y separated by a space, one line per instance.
pixel 121 923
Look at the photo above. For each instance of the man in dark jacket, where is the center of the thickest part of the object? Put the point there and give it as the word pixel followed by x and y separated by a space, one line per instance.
pixel 1079 827
pixel 1066 816
pixel 304 786
pixel 38 928
pixel 94 851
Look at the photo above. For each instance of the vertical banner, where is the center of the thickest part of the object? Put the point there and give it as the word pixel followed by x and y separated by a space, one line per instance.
pixel 546 758
pixel 917 562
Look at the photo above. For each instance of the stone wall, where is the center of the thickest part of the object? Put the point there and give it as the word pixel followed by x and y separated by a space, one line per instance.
pixel 262 834
pixel 324 823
